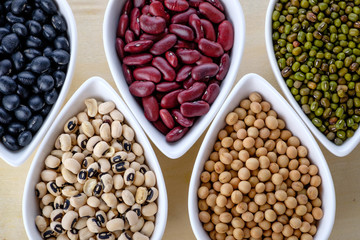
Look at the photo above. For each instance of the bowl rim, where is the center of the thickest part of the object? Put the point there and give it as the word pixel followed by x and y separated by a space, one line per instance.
pixel 16 158
pixel 104 90
pixel 327 182
pixel 179 148
pixel 340 151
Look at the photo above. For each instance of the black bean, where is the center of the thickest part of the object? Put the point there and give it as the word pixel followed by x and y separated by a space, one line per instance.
pixel 33 42
pixel 59 77
pixel 10 43
pixel 48 6
pixel 5 117
pixel 32 53
pixel 39 15
pixel 22 92
pixel 25 138
pixel 40 64
pixel 36 103
pixel 62 43
pixel 11 102
pixel 23 113
pixel 34 27
pixel 7 85
pixel 49 32
pixel 35 89
pixel 11 18
pixel 51 96
pixel 18 6
pixel 5 67
pixel 35 123
pixel 1 130
pixel 20 29
pixel 10 142
pixel 45 111
pixel 59 23
pixel 18 60
pixel 15 128
pixel 3 32
pixel 47 52
pixel 26 78
pixel 45 83
pixel 61 57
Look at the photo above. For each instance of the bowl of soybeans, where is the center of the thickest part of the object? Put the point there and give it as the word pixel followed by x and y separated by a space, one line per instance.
pixel 259 173
pixel 95 175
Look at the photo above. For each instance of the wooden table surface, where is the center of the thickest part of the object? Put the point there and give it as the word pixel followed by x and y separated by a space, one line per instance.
pixel 91 61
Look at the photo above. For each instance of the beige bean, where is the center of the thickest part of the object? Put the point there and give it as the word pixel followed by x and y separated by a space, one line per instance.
pixel 107 181
pixel 85 234
pixel 52 162
pixel 128 197
pixel 40 189
pixel 47 210
pixel 69 220
pixel 150 179
pixel 132 218
pixel 69 191
pixel 57 153
pixel 81 223
pixel 122 208
pixel 65 142
pixel 119 157
pixel 89 186
pixel 48 199
pixel 48 175
pixel 141 195
pixel 139 179
pixel 110 199
pixel 92 225
pixel 116 115
pixel 128 132
pixel 116 129
pixel 115 224
pixel 137 149
pixel 125 236
pixel 92 108
pixel 149 210
pixel 105 132
pixel 72 165
pixel 53 189
pixel 93 202
pixel 88 129
pixel 41 223
pixel 96 123
pixel 86 211
pixel 59 202
pixel 82 140
pixel 106 107
pixel 153 194
pixel 138 226
pixel 78 200
pixel 129 176
pixel 68 176
pixel 82 117
pixel 118 181
pixel 92 142
pixel 101 149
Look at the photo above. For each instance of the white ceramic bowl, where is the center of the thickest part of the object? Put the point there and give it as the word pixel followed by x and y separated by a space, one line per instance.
pixel 98 88
pixel 340 151
pixel 179 148
pixel 243 88
pixel 18 157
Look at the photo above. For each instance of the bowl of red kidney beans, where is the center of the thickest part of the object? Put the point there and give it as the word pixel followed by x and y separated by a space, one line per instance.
pixel 174 63
pixel 37 56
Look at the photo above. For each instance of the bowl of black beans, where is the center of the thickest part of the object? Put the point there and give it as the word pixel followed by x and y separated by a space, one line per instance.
pixel 314 50
pixel 38 41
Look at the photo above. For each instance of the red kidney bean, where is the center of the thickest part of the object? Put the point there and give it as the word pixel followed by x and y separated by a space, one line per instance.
pixel 188 56
pixel 183 17
pixel 210 48
pixel 139 3
pixel 152 37
pixel 195 3
pixel 129 78
pixel 194 109
pixel 167 71
pixel 180 119
pixel 152 25
pixel 127 7
pixel 176 5
pixel 204 59
pixel 167 118
pixel 164 44
pixel 145 10
pixel 204 71
pixel 161 126
pixel 171 58
pixel 147 73
pixel 184 73
pixel 119 44
pixel 193 93
pixel 167 86
pixel 185 44
pixel 188 83
pixel 211 93
pixel 223 67
pixel 160 95
pixel 182 31
pixel 142 89
pixel 134 21
pixel 209 30
pixel 138 46
pixel 151 108
pixel 217 4
pixel 157 9
pixel 129 36
pixel 170 100
pixel 195 23
pixel 123 25
pixel 176 134
pixel 138 59
pixel 211 12
pixel 226 35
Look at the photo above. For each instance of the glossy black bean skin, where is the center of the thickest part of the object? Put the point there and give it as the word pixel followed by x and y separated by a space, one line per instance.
pixel 15 128
pixel 35 123
pixel 1 131
pixel 40 64
pixel 45 83
pixel 11 102
pixel 24 138
pixel 59 23
pixel 34 27
pixel 5 117
pixel 22 92
pixel 10 142
pixel 49 32
pixel 59 77
pixel 33 42
pixel 23 113
pixel 62 43
pixel 10 43
pixel 48 6
pixel 61 57
pixel 45 111
pixel 51 96
pixel 18 60
pixel 31 53
pixel 10 17
pixel 5 67
pixel 39 15
pixel 36 103
pixel 18 6
pixel 3 32
pixel 26 78
pixel 20 29
pixel 7 85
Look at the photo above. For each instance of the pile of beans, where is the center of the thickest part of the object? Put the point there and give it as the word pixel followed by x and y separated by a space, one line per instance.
pixel 96 184
pixel 34 56
pixel 258 182
pixel 174 55
pixel 317 46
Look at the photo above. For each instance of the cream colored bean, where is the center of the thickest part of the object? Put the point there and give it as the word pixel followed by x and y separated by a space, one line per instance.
pixel 122 208
pixel 137 149
pixel 128 132
pixel 69 220
pixel 48 199
pixel 128 197
pixel 78 200
pixel 92 107
pixel 96 123
pixel 129 176
pixel 116 115
pixel 110 199
pixel 153 194
pixel 41 223
pixel 86 211
pixel 139 236
pixel 65 142
pixel 148 228
pixel 139 179
pixel 92 225
pixel 92 142
pixel 89 186
pixel 88 129
pixel 53 189
pixel 138 226
pixel 107 181
pixel 116 129
pixel 68 176
pixel 132 218
pixel 141 195
pixel 150 179
pixel 85 234
pixel 52 162
pixel 101 149
pixel 106 107
pixel 69 191
pixel 116 224
pixel 81 223
pixel 40 189
pixel 105 132
pixel 118 181
pixel 72 165
pixel 149 210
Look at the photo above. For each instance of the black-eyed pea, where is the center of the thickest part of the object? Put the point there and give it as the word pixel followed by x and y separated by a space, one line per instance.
pixel 128 132
pixel 132 218
pixel 48 233
pixel 148 228
pixel 65 142
pixel 111 214
pixel 81 223
pixel 82 140
pixel 57 144
pixel 72 165
pixel 66 155
pixel 150 179
pixel 118 181
pixel 105 236
pixel 149 210
pixel 93 225
pixel 92 142
pixel 137 149
pixel 129 176
pixel 57 153
pixel 125 236
pixel 107 180
pixel 140 159
pixel 129 198
pixel 89 187
pixel 82 117
pixel 82 176
pixel 116 129
pixel 116 145
pixel 69 220
pixel 120 167
pixel 92 107
pixel 141 195
pixel 93 202
pixel 98 190
pixel 78 200
pixel 67 206
pixel 85 233
pixel 106 107
pixel 107 119
pixel 86 211
pixel 48 199
pixel 68 176
pixel 96 123
pixel 153 194
pixel 101 149
pixel 87 162
pixel 59 202
pixel 93 169
pixel 116 115
pixel 143 169
pixel 47 210
pixel 105 132
pixel 53 189
pixel 139 236
pixel 131 157
pixel 149 218
pixel 120 156
pixel 79 156
pixel 73 140
pixel 127 145
pixel 122 208
pixel 52 162
pixel 87 129
pixel 138 226
pixel 48 175
pixel 41 223
pixel 56 227
pixel 135 165
pixel 110 199
pixel 40 189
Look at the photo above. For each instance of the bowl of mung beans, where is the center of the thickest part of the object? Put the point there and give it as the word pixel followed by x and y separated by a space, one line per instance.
pixel 259 173
pixel 38 53
pixel 152 66
pixel 95 175
pixel 313 48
